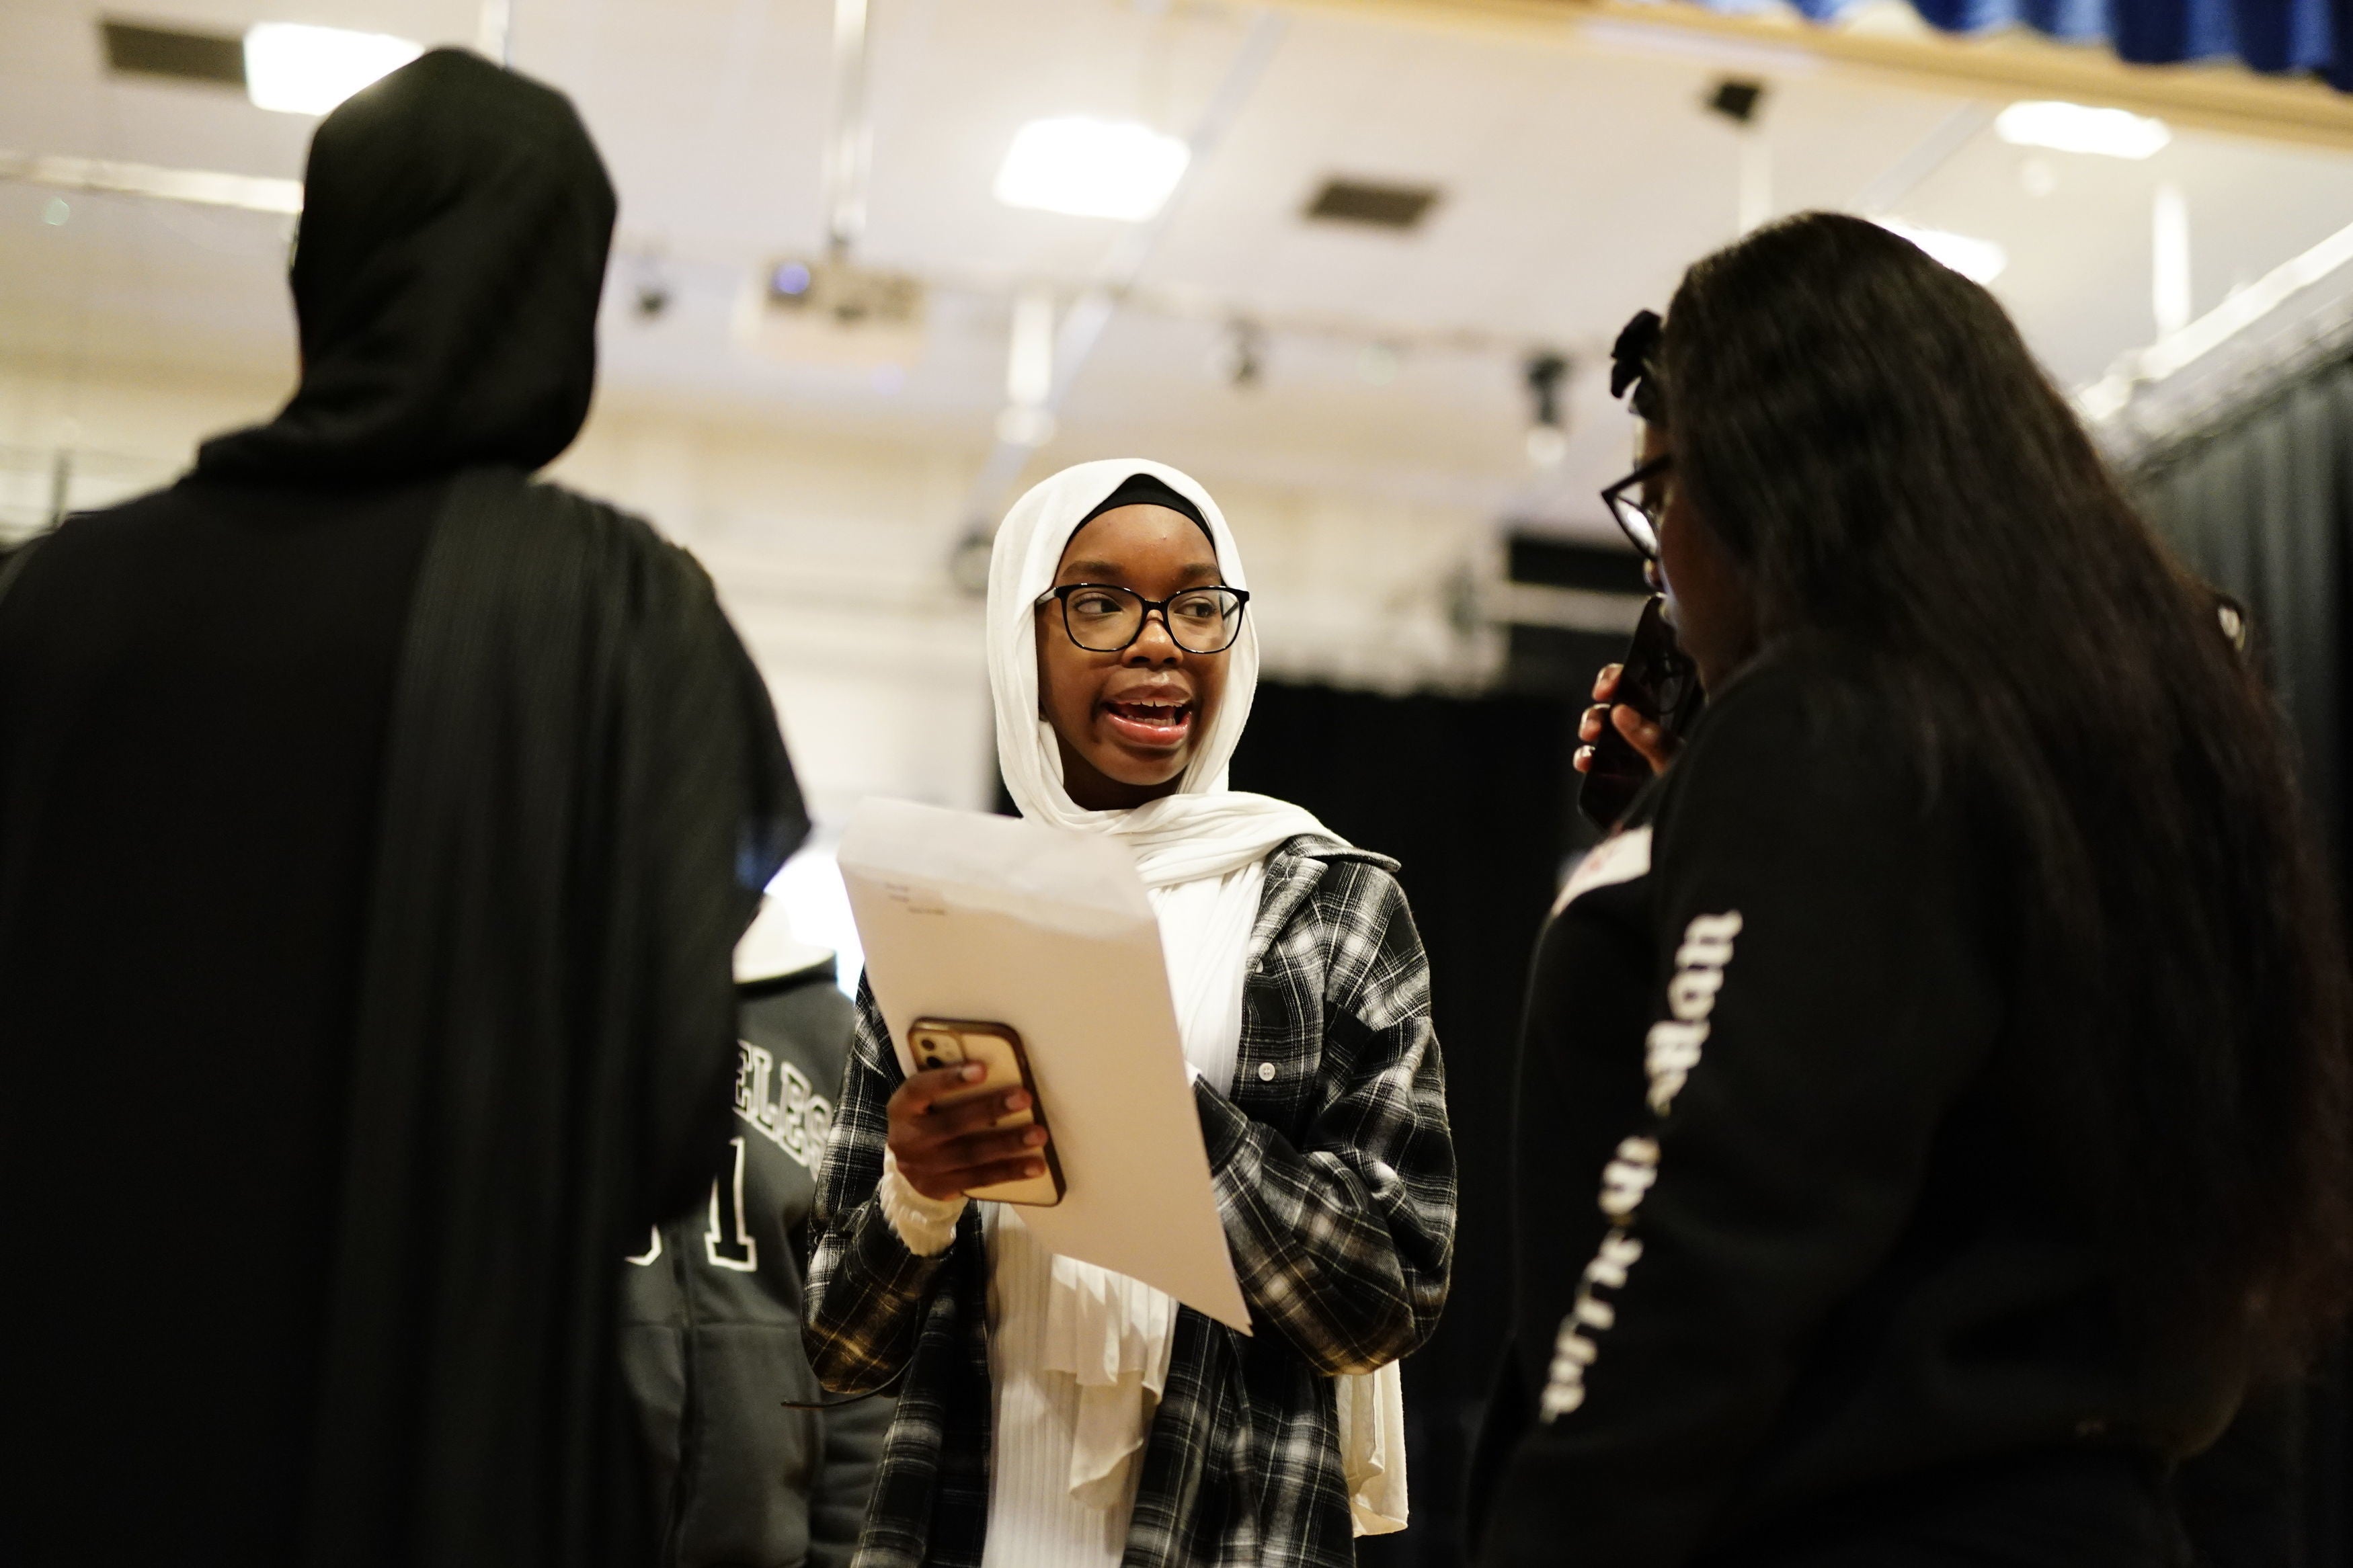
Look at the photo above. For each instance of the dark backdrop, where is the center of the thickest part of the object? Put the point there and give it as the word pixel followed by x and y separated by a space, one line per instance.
pixel 1473 797
pixel 2258 500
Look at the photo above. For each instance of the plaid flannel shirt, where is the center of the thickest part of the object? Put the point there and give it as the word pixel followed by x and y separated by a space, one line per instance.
pixel 1335 1175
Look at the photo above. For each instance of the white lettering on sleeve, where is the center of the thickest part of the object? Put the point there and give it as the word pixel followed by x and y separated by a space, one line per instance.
pixel 1671 1054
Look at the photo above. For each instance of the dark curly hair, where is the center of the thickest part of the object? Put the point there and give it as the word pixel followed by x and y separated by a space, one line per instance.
pixel 1866 433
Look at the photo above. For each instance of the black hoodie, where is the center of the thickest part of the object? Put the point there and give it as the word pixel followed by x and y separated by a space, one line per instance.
pixel 455 224
pixel 374 829
pixel 1795 1282
pixel 758 1467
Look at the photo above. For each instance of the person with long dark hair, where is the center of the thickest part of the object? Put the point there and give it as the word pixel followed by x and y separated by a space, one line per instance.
pixel 1934 1104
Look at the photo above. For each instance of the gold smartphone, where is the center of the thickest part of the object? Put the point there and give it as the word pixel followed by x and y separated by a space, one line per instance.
pixel 954 1042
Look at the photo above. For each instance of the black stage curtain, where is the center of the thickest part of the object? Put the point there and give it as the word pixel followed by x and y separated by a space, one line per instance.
pixel 1474 797
pixel 2258 500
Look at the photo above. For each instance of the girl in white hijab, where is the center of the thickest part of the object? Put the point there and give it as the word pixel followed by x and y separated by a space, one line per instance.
pixel 1054 1414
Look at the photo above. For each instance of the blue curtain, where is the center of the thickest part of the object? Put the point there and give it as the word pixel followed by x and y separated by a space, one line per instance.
pixel 2276 36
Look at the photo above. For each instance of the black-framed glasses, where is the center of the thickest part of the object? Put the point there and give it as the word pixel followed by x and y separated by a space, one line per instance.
pixel 1639 499
pixel 1103 618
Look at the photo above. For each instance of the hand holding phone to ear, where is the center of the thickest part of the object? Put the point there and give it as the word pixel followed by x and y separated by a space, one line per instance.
pixel 1647 702
pixel 1651 740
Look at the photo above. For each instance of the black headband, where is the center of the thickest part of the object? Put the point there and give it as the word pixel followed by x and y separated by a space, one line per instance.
pixel 1634 362
pixel 1143 489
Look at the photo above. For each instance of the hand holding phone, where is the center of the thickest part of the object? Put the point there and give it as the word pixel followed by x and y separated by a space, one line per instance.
pixel 1608 717
pixel 990 1129
pixel 1658 681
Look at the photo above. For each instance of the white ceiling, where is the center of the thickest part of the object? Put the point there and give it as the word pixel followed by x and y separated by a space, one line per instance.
pixel 1580 179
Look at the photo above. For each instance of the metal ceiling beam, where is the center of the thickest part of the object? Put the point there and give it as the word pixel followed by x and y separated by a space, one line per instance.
pixel 204 187
pixel 2213 96
pixel 2241 309
pixel 850 133
pixel 494 32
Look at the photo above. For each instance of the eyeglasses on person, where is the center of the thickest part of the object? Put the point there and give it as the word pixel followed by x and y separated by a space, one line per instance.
pixel 1102 618
pixel 1639 499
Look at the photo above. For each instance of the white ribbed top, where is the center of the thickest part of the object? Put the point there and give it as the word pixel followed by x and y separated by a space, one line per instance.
pixel 1033 1520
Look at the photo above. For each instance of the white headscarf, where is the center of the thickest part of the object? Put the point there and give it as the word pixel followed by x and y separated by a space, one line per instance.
pixel 1204 829
pixel 1202 854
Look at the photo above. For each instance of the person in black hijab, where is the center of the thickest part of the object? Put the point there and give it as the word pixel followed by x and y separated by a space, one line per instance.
pixel 376 825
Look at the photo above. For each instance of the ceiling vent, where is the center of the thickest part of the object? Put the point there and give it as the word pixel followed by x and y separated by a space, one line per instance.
pixel 134 49
pixel 1399 209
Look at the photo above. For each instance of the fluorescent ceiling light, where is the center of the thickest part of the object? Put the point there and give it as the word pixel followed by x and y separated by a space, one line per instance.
pixel 2076 128
pixel 299 69
pixel 1092 168
pixel 1979 260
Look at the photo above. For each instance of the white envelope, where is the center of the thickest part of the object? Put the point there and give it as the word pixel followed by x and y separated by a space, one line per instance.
pixel 970 916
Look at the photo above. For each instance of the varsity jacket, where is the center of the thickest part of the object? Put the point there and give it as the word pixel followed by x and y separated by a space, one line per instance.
pixel 1794 1284
pixel 750 1471
pixel 1333 1171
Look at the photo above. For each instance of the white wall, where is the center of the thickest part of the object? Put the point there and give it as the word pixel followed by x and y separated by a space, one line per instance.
pixel 831 555
pixel 119 438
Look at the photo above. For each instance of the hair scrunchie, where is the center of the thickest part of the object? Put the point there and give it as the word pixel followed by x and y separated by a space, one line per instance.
pixel 1634 362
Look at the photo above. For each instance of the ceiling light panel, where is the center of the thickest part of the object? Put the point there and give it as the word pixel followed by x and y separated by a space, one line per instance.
pixel 1092 168
pixel 2078 128
pixel 1979 260
pixel 300 70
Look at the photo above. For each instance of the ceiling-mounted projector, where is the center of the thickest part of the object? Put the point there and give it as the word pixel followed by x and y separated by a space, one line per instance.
pixel 829 312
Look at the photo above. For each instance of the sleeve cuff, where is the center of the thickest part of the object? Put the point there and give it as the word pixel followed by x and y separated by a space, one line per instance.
pixel 1225 1127
pixel 926 1225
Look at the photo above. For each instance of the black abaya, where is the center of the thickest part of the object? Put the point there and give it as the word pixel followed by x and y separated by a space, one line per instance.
pixel 193 697
pixel 374 829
